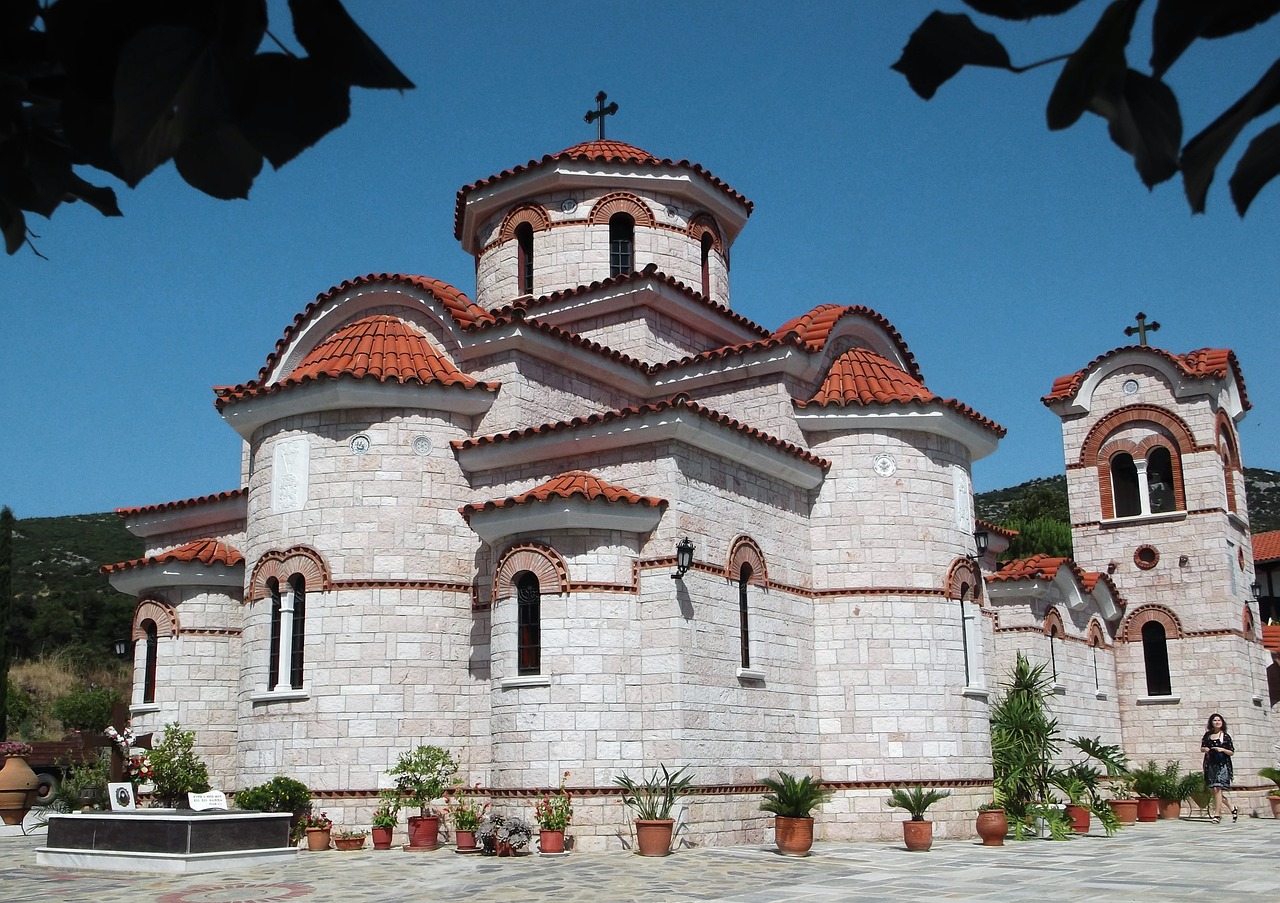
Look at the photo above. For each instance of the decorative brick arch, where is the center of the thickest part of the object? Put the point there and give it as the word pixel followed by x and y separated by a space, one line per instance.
pixel 621 202
pixel 1246 622
pixel 1095 635
pixel 704 224
pixel 153 608
pixel 743 550
pixel 1052 620
pixel 1184 442
pixel 533 214
pixel 964 571
pixel 282 565
pixel 544 562
pixel 1229 452
pixel 1131 629
pixel 1100 449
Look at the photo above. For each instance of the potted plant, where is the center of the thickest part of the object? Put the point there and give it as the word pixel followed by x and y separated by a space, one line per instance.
pixel 466 812
pixel 1146 785
pixel 554 812
pixel 652 799
pixel 1123 803
pixel 422 775
pixel 385 818
pixel 504 835
pixel 792 801
pixel 993 824
pixel 1272 775
pixel 318 828
pixel 1174 787
pixel 1075 791
pixel 280 794
pixel 18 782
pixel 349 839
pixel 177 769
pixel 916 832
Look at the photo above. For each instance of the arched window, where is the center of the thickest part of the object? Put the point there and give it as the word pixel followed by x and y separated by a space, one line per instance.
pixel 1053 652
pixel 529 625
pixel 524 256
pixel 288 632
pixel 273 665
pixel 1273 682
pixel 744 578
pixel 149 672
pixel 622 237
pixel 1124 486
pixel 1155 655
pixel 298 584
pixel 1160 480
pixel 707 244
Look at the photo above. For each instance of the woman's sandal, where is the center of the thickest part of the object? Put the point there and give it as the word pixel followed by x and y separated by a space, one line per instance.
pixel 1214 819
pixel 1235 814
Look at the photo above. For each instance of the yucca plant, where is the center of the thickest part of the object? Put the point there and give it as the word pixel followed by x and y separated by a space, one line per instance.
pixel 1272 775
pixel 652 798
pixel 791 798
pixel 916 800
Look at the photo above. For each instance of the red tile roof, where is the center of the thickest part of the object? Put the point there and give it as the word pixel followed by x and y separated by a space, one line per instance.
pixel 185 503
pixel 1266 546
pixel 1045 567
pixel 1204 363
pixel 679 401
pixel 566 485
pixel 593 152
pixel 202 551
pixel 994 528
pixel 379 347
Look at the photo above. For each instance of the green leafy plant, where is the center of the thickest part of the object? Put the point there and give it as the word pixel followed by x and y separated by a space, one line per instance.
pixel 554 811
pixel 86 708
pixel 178 770
pixel 91 776
pixel 1273 775
pixel 280 794
pixel 503 829
pixel 1147 779
pixel 916 799
pixel 350 834
pixel 652 798
pixel 1172 784
pixel 792 798
pixel 423 775
pixel 387 815
pixel 466 811
pixel 321 821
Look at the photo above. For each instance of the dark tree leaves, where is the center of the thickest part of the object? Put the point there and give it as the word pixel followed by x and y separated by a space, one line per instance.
pixel 943 45
pixel 1093 77
pixel 1178 23
pixel 295 104
pixel 1203 152
pixel 1146 123
pixel 1021 10
pixel 334 39
pixel 1259 165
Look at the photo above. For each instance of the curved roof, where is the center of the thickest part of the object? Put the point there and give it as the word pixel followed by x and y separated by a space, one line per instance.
pixel 185 503
pixel 378 347
pixel 1203 363
pixel 1266 546
pixel 567 485
pixel 595 152
pixel 201 551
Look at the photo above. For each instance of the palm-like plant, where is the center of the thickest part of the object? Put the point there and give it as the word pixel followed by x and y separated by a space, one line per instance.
pixel 1272 775
pixel 652 798
pixel 916 800
pixel 791 798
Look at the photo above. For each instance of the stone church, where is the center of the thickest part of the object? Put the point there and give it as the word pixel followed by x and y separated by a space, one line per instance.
pixel 593 520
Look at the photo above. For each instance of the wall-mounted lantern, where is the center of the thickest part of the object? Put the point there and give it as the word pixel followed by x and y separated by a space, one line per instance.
pixel 684 558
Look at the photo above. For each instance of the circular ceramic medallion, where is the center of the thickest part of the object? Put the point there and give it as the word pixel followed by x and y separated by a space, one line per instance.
pixel 884 465
pixel 568 205
pixel 1146 557
pixel 360 444
pixel 422 445
pixel 1130 387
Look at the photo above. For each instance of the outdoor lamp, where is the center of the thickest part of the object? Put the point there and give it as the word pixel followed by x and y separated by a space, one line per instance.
pixel 980 541
pixel 684 558
pixel 122 648
pixel 1256 589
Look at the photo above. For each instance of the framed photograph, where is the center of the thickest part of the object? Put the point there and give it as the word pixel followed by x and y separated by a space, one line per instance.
pixel 121 796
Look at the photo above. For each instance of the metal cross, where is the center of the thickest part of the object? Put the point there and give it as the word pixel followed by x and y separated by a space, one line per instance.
pixel 600 112
pixel 1142 328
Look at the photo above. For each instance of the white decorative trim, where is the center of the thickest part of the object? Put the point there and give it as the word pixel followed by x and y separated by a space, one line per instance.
pixel 524 681
pixel 265 697
pixel 1138 519
pixel 563 514
pixel 982 694
pixel 750 674
pixel 137 580
pixel 143 708
pixel 1159 700
pixel 937 421
pixel 191 518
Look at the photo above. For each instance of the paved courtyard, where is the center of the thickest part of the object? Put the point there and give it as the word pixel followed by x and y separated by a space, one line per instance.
pixel 1181 860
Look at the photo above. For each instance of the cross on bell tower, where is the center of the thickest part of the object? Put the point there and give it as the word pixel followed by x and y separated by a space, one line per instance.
pixel 1142 328
pixel 600 112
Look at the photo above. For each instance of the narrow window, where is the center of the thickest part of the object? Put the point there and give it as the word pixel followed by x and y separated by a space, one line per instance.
pixel 524 255
pixel 964 634
pixel 622 237
pixel 1053 653
pixel 706 265
pixel 1097 681
pixel 529 620
pixel 273 666
pixel 1155 654
pixel 1160 480
pixel 149 672
pixel 1124 486
pixel 299 586
pixel 1273 682
pixel 744 577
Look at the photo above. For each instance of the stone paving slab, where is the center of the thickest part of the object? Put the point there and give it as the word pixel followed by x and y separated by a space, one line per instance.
pixel 1184 860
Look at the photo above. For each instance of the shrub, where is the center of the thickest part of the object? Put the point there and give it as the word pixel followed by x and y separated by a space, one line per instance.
pixel 20 710
pixel 86 708
pixel 792 798
pixel 280 794
pixel 178 769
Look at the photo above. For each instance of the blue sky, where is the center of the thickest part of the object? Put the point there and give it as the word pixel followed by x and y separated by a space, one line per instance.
pixel 1004 254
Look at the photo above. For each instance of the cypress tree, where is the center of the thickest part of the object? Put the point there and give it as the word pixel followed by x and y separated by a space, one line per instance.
pixel 6 603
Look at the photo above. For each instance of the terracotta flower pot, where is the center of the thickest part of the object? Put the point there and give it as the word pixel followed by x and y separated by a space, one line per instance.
pixel 317 839
pixel 466 839
pixel 1171 809
pixel 1148 808
pixel 1126 810
pixel 993 825
pixel 1274 800
pixel 349 843
pixel 917 835
pixel 18 785
pixel 424 832
pixel 794 836
pixel 381 837
pixel 653 837
pixel 551 841
pixel 1079 816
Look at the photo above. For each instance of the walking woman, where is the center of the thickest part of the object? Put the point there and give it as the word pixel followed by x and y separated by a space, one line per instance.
pixel 1218 750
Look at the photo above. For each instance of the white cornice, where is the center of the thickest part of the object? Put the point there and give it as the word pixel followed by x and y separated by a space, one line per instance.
pixel 938 421
pixel 137 580
pixel 561 352
pixel 229 512
pixel 999 590
pixel 563 514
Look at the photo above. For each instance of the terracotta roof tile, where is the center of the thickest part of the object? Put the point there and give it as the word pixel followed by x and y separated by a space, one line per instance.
pixel 379 347
pixel 185 503
pixel 1045 567
pixel 567 485
pixel 202 551
pixel 994 528
pixel 1204 363
pixel 593 152
pixel 680 401
pixel 1266 546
